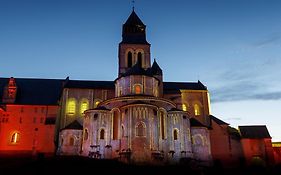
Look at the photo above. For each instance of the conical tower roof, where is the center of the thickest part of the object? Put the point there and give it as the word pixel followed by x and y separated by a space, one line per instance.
pixel 133 31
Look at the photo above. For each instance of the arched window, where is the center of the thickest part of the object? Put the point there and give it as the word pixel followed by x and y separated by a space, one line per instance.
pixel 102 133
pixel 162 124
pixel 71 106
pixel 198 139
pixel 15 137
pixel 184 107
pixel 197 109
pixel 137 89
pixel 84 106
pixel 140 58
pixel 115 125
pixel 96 102
pixel 176 134
pixel 140 129
pixel 122 131
pixel 130 59
pixel 71 141
pixel 86 134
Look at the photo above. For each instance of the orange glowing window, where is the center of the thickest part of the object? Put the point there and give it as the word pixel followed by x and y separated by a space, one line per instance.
pixel 137 89
pixel 15 137
pixel 196 109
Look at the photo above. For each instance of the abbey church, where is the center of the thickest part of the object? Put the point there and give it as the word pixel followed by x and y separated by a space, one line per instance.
pixel 137 118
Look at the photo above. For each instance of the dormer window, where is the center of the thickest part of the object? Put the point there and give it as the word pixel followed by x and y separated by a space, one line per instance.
pixel 10 91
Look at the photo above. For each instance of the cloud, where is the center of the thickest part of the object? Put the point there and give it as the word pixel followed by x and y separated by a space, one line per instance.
pixel 242 85
pixel 233 118
pixel 273 39
pixel 233 94
pixel 268 96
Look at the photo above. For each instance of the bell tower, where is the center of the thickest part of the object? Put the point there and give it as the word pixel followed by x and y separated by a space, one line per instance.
pixel 133 48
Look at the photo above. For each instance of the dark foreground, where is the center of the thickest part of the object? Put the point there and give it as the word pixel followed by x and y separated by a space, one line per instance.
pixel 81 166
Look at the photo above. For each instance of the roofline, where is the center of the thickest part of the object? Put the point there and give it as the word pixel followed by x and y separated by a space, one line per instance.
pixel 192 90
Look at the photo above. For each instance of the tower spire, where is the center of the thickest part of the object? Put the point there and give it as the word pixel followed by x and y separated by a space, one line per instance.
pixel 133 4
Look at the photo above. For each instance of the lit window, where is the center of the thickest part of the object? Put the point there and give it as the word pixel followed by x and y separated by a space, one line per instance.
pixel 102 133
pixel 175 134
pixel 184 107
pixel 140 129
pixel 71 106
pixel 71 141
pixel 15 137
pixel 86 134
pixel 137 89
pixel 84 106
pixel 196 109
pixel 97 102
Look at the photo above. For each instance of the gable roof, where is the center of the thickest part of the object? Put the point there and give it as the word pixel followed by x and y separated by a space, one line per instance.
pixel 175 87
pixel 218 121
pixel 195 123
pixel 233 132
pixel 33 91
pixel 254 132
pixel 74 125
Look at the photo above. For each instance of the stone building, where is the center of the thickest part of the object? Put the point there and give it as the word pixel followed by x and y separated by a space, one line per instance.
pixel 137 118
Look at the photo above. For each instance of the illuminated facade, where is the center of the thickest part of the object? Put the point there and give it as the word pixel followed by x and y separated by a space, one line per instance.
pixel 137 118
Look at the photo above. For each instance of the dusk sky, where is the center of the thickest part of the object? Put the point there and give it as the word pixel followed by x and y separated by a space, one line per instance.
pixel 232 46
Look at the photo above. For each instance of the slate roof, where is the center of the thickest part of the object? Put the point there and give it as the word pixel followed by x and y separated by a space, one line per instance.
pixel 254 132
pixel 175 87
pixel 155 69
pixel 137 70
pixel 34 91
pixel 74 125
pixel 234 133
pixel 133 31
pixel 84 84
pixel 218 121
pixel 196 123
pixel 133 19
